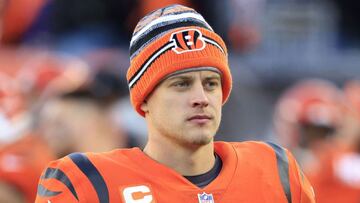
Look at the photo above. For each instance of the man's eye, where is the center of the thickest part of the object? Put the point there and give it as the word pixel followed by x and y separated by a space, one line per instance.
pixel 181 84
pixel 212 84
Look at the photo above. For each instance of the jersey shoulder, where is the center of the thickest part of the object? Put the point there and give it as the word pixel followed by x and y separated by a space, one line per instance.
pixel 58 182
pixel 69 178
pixel 258 148
pixel 273 157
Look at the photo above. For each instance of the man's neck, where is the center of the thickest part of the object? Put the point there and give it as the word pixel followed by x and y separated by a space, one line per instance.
pixel 186 160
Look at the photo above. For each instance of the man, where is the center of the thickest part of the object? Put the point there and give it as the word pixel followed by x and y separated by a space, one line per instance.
pixel 306 118
pixel 178 79
pixel 339 167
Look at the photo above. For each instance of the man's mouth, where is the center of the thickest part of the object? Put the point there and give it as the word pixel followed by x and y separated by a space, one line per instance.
pixel 200 119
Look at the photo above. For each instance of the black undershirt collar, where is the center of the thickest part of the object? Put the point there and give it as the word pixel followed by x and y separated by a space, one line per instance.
pixel 204 179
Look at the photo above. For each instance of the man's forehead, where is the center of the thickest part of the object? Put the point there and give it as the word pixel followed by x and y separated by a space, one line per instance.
pixel 204 71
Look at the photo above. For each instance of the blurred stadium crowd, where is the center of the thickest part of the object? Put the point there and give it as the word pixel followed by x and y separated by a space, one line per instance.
pixel 296 67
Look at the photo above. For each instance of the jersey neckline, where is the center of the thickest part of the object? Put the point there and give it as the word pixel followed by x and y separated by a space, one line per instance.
pixel 165 174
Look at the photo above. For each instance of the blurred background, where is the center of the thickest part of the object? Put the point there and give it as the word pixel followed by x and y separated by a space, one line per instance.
pixel 296 82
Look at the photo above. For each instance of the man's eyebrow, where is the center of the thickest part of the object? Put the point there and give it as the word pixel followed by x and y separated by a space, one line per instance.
pixel 211 77
pixel 182 77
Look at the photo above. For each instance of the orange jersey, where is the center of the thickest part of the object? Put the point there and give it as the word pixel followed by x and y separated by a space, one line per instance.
pixel 251 172
pixel 21 164
pixel 336 179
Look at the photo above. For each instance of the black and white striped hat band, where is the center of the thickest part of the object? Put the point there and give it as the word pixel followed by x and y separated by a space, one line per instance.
pixel 161 25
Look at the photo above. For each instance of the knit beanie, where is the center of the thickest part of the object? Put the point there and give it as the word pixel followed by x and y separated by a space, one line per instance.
pixel 171 39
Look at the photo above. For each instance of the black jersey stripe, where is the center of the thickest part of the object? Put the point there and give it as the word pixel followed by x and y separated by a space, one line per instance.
pixel 91 172
pixel 283 168
pixel 55 173
pixel 42 191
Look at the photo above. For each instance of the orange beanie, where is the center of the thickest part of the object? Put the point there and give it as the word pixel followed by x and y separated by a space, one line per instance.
pixel 168 40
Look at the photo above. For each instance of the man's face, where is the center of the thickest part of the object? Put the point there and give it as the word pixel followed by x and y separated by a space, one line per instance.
pixel 186 107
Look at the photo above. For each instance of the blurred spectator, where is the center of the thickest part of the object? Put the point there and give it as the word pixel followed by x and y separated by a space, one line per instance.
pixel 306 118
pixel 337 177
pixel 12 107
pixel 351 131
pixel 25 77
pixel 52 105
pixel 80 120
pixel 75 123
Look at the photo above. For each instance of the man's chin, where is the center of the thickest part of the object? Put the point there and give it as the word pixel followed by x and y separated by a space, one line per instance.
pixel 202 140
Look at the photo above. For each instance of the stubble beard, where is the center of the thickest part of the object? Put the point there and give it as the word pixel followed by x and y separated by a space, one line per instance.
pixel 194 139
pixel 189 136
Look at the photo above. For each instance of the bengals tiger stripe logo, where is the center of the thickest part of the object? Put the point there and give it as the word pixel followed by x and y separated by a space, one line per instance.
pixel 187 40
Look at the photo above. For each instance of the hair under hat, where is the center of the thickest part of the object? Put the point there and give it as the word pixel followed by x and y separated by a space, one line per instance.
pixel 173 39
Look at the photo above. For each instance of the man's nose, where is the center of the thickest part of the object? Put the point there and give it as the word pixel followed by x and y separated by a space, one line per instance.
pixel 199 96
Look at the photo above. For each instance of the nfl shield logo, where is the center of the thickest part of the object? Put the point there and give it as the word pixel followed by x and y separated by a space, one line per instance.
pixel 205 198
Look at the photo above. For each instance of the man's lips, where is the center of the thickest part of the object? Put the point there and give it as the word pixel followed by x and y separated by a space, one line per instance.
pixel 200 118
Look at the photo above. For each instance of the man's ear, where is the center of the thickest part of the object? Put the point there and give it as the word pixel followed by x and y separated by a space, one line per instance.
pixel 144 107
